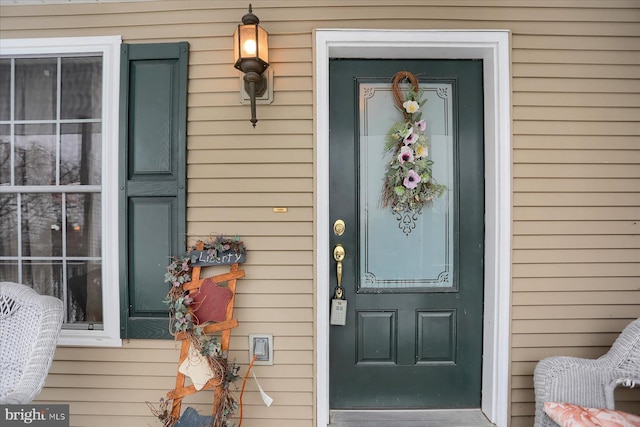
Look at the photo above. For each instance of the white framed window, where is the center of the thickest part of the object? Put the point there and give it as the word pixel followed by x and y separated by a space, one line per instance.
pixel 59 102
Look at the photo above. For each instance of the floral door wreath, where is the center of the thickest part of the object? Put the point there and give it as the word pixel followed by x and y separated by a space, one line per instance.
pixel 408 183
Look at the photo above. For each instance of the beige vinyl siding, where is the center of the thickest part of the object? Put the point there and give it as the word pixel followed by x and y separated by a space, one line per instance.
pixel 576 184
pixel 576 263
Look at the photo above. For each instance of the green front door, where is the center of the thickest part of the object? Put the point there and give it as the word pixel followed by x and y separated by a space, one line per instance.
pixel 413 282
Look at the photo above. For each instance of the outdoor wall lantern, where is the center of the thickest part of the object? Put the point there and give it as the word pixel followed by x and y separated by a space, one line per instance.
pixel 251 56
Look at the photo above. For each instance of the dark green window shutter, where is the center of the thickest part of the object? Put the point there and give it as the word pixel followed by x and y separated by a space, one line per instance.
pixel 153 129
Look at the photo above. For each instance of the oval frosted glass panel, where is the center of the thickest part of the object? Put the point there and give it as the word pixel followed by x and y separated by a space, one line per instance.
pixel 405 250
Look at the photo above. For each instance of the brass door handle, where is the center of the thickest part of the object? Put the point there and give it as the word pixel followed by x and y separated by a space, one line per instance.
pixel 338 256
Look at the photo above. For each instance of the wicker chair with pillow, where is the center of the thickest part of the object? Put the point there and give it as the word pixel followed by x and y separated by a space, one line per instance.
pixel 588 382
pixel 29 328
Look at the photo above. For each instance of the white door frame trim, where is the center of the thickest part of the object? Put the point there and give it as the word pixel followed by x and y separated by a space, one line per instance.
pixel 492 47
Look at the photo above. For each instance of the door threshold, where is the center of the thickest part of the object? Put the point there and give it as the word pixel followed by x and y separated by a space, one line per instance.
pixel 409 418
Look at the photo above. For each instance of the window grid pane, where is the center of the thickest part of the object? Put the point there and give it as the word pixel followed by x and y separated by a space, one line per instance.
pixel 5 88
pixel 51 167
pixel 5 155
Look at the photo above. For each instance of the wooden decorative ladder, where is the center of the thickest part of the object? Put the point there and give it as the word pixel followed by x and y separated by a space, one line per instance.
pixel 225 326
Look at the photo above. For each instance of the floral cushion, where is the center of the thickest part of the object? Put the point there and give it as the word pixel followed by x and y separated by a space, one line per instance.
pixel 569 415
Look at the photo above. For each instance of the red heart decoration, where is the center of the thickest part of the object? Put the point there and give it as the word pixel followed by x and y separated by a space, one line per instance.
pixel 210 302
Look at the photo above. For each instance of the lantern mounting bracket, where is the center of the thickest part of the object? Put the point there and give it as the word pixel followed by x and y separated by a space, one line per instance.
pixel 265 98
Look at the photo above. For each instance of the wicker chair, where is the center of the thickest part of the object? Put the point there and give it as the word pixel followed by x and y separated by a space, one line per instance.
pixel 586 382
pixel 29 328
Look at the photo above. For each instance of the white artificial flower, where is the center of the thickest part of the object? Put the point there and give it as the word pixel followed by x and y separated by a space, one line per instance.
pixel 411 106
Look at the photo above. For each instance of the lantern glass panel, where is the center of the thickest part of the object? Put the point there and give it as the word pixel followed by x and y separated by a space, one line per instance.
pixel 248 41
pixel 236 46
pixel 263 45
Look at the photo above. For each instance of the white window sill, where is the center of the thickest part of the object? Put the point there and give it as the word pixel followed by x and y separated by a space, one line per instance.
pixel 69 338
